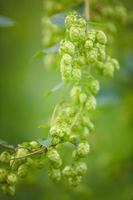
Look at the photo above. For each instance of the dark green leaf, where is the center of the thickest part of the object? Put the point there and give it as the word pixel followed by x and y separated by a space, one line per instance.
pixel 44 126
pixel 91 23
pixel 47 142
pixel 3 142
pixel 6 22
pixel 55 88
pixel 46 51
pixel 58 19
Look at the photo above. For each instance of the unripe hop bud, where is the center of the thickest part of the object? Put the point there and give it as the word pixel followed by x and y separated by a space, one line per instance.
pixel 83 149
pixel 8 189
pixel 67 47
pixel 11 179
pixel 91 103
pixel 54 157
pixel 108 69
pixel 3 175
pixel 91 35
pixel 75 92
pixel 81 169
pixel 94 86
pixel 115 63
pixel 66 59
pixel 75 181
pixel 22 152
pixel 92 56
pixel 22 171
pixel 77 34
pixel 67 171
pixel 5 157
pixel 82 98
pixel 88 44
pixel 70 20
pixel 101 37
pixel 14 164
pixel 81 23
pixel 56 140
pixel 101 54
pixel 79 61
pixel 34 145
pixel 76 75
pixel 55 174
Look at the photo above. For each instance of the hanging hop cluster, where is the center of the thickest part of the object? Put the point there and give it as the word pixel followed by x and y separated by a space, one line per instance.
pixel 16 164
pixel 83 52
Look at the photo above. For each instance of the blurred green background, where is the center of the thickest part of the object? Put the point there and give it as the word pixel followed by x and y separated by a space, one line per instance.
pixel 24 106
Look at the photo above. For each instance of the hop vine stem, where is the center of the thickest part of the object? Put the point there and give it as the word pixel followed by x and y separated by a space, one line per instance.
pixel 87 9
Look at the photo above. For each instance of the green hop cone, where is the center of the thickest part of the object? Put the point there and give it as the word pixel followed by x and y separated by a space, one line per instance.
pixel 92 56
pixel 8 189
pixel 91 35
pixel 11 179
pixel 108 69
pixel 115 63
pixel 22 170
pixel 101 54
pixel 3 175
pixel 56 140
pixel 88 45
pixel 22 152
pixel 55 174
pixel 70 20
pixel 82 98
pixel 34 144
pixel 67 171
pixel 76 75
pixel 101 37
pixel 83 149
pixel 66 71
pixel 66 59
pixel 81 169
pixel 15 163
pixel 81 61
pixel 54 158
pixel 77 34
pixel 5 157
pixel 67 47
pixel 81 23
pixel 75 181
pixel 94 86
pixel 90 103
pixel 75 92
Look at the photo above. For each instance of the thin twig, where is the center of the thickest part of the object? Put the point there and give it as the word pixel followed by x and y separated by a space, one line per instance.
pixel 42 150
pixel 76 117
pixel 54 112
pixel 9 147
pixel 86 9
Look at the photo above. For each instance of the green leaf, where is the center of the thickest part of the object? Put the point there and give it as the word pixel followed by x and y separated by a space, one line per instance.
pixel 58 19
pixel 47 142
pixel 55 88
pixel 6 22
pixel 45 51
pixel 44 126
pixel 91 23
pixel 3 142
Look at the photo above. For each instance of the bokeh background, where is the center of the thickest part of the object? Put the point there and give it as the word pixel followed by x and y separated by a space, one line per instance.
pixel 24 106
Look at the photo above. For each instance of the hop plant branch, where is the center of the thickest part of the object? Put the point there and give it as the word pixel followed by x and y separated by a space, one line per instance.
pixel 80 50
pixel 86 9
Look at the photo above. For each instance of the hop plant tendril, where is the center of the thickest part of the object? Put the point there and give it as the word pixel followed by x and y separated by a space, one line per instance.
pixel 82 56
